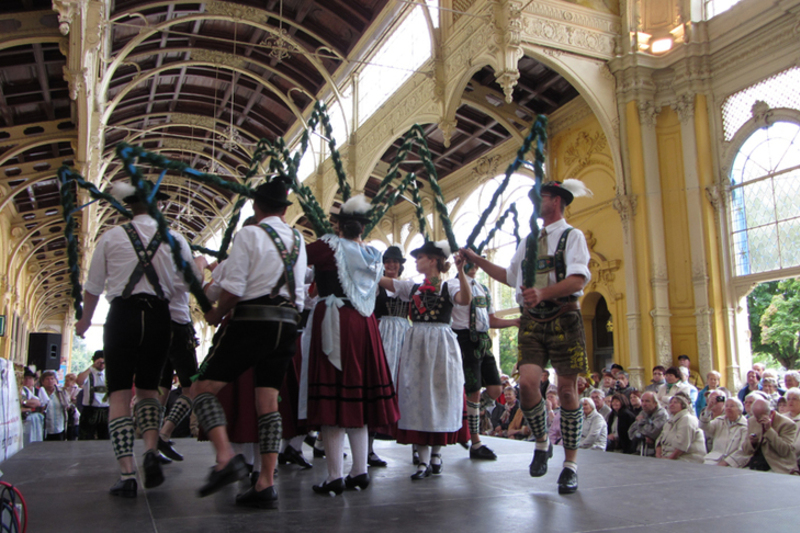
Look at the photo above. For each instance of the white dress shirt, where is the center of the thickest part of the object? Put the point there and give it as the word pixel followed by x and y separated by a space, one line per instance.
pixel 114 261
pixel 461 312
pixel 179 308
pixel 576 257
pixel 254 265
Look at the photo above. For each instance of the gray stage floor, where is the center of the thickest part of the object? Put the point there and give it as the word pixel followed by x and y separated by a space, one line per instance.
pixel 65 486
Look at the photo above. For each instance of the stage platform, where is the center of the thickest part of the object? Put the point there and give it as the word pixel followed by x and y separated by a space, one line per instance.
pixel 65 486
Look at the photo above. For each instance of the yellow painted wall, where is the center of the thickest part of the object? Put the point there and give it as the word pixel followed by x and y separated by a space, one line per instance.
pixel 683 323
pixel 582 152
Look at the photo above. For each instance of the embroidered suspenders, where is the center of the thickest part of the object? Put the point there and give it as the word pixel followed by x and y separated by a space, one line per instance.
pixel 289 260
pixel 145 266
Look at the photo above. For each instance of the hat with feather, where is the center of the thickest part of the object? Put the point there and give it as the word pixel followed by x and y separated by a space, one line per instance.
pixel 568 190
pixel 438 248
pixel 356 208
pixel 125 192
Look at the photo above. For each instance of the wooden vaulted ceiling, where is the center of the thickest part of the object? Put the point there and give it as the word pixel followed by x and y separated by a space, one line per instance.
pixel 195 86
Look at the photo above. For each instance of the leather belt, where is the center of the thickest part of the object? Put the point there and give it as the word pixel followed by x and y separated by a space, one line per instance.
pixel 265 313
pixel 549 310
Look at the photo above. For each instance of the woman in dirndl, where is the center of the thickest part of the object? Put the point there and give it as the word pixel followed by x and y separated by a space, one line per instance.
pixel 349 383
pixel 430 380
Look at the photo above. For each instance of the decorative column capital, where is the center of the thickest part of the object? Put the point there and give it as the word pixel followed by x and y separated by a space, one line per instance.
pixel 648 111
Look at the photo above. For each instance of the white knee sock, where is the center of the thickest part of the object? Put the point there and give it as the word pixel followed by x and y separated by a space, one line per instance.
pixel 333 437
pixel 436 450
pixel 424 454
pixel 359 442
pixel 245 449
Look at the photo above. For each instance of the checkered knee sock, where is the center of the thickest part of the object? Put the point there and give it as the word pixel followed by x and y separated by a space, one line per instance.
pixel 270 430
pixel 209 411
pixel 537 420
pixel 148 414
pixel 571 427
pixel 473 417
pixel 121 432
pixel 181 409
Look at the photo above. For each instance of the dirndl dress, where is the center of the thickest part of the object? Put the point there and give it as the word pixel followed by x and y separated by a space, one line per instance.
pixel 430 381
pixel 392 315
pixel 354 389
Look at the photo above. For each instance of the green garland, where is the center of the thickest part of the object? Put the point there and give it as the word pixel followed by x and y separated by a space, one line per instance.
pixel 418 209
pixel 66 177
pixel 512 210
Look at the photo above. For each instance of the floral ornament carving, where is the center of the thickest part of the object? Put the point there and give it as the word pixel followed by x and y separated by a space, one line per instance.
pixel 684 107
pixel 235 11
pixel 585 145
pixel 75 80
pixel 486 166
pixel 447 127
pixel 717 195
pixel 625 205
pixel 762 114
pixel 218 57
pixel 66 10
pixel 648 113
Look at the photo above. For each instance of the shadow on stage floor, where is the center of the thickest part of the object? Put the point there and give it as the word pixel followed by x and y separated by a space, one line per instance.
pixel 65 486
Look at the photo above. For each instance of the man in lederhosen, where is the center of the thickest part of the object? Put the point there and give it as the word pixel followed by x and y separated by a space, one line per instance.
pixel 136 270
pixel 182 361
pixel 262 288
pixel 551 326
pixel 471 325
pixel 94 417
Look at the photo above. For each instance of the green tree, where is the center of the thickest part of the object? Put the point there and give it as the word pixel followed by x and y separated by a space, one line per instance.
pixel 780 324
pixel 81 356
pixel 508 349
pixel 757 302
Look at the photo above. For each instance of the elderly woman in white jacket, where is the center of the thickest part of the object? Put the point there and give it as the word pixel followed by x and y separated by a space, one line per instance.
pixel 727 433
pixel 681 439
pixel 594 434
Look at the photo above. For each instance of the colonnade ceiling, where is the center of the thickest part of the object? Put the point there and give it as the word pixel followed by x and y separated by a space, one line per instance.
pixel 199 82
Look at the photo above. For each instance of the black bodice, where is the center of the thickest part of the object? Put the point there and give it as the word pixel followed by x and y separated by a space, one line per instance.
pixel 438 307
pixel 387 306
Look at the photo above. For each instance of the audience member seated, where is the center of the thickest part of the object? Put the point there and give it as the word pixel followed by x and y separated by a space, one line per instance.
pixel 681 439
pixel 598 397
pixel 636 402
pixel 619 421
pixel 771 440
pixel 622 384
pixel 714 409
pixel 771 374
pixel 712 382
pixel 685 374
pixel 782 406
pixel 647 426
pixel 750 398
pixel 594 434
pixel 793 403
pixel 770 387
pixel 753 384
pixel 518 428
pixel 726 434
pixel 658 379
pixel 674 384
pixel 608 383
pixel 791 379
pixel 584 389
pixel 504 414
pixel 554 417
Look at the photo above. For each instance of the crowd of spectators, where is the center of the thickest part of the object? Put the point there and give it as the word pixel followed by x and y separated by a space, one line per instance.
pixel 678 416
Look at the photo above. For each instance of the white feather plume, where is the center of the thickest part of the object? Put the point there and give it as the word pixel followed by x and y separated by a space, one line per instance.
pixel 121 190
pixel 577 188
pixel 444 247
pixel 357 205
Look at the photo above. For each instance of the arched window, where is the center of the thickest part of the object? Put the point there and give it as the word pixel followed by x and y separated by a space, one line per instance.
pixel 765 200
pixel 715 7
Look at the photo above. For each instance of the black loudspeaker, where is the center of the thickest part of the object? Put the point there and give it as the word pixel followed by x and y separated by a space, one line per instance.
pixel 44 351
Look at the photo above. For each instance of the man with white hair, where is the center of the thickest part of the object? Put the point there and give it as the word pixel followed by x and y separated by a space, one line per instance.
pixel 752 397
pixel 598 397
pixel 648 424
pixel 692 389
pixel 771 440
pixel 727 433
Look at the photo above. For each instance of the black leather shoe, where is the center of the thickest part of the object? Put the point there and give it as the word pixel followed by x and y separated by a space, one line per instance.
pixel 319 453
pixel 464 445
pixel 153 476
pixel 415 457
pixel 538 466
pixel 482 453
pixel 422 474
pixel 163 459
pixel 124 488
pixel 436 469
pixel 567 481
pixel 290 455
pixel 235 470
pixel 336 487
pixel 374 460
pixel 359 482
pixel 166 447
pixel 310 440
pixel 260 499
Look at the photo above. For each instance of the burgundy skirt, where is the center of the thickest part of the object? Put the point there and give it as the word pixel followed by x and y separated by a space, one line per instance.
pixel 289 393
pixel 426 438
pixel 359 394
pixel 238 399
